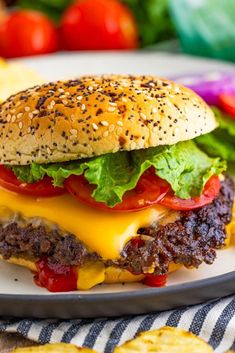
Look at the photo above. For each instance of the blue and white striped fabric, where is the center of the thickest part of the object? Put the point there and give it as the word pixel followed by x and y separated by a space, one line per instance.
pixel 213 321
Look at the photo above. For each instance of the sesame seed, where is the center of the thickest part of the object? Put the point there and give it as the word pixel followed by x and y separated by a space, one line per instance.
pixel 73 131
pixel 124 99
pixel 79 98
pixel 133 145
pixel 120 123
pixel 13 119
pixel 125 84
pixel 36 111
pixel 90 88
pixel 95 127
pixel 113 104
pixel 111 128
pixel 30 115
pixel 67 93
pixel 64 101
pixel 29 129
pixel 60 90
pixel 19 115
pixel 48 150
pixel 143 116
pixel 111 109
pixel 53 102
pixel 83 107
pixel 20 125
pixel 104 123
pixel 106 133
pixel 119 130
pixel 63 96
pixel 9 118
pixel 13 110
pixel 27 109
pixel 176 130
pixel 154 110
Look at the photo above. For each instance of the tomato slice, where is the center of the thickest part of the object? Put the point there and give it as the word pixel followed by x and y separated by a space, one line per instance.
pixel 155 280
pixel 149 191
pixel 211 190
pixel 227 103
pixel 42 188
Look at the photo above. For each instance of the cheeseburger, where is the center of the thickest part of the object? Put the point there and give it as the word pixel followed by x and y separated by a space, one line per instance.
pixel 102 182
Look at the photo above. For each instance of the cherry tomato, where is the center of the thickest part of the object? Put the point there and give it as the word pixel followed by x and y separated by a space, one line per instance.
pixel 155 280
pixel 42 188
pixel 98 24
pixel 211 190
pixel 227 103
pixel 54 277
pixel 24 33
pixel 149 191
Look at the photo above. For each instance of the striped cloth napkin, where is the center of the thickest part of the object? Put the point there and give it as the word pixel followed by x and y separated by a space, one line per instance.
pixel 213 321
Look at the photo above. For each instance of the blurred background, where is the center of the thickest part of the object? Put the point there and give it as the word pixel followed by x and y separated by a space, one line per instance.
pixel 198 27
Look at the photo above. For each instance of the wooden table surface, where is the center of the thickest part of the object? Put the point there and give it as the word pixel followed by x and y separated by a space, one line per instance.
pixel 9 341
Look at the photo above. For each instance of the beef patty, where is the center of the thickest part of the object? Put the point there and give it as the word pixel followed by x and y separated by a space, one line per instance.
pixel 190 240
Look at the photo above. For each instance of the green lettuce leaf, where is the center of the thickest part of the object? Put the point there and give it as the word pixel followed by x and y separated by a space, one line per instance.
pixel 52 8
pixel 57 171
pixel 184 166
pixel 153 20
pixel 220 142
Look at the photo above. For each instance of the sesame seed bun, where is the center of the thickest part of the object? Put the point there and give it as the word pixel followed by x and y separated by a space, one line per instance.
pixel 95 115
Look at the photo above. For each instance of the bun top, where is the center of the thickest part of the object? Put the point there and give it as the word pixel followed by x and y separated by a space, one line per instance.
pixel 94 115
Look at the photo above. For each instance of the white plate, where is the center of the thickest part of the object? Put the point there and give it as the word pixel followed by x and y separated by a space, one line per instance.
pixel 67 65
pixel 19 281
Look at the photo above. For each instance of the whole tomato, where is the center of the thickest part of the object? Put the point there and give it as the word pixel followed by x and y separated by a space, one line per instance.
pixel 98 25
pixel 24 33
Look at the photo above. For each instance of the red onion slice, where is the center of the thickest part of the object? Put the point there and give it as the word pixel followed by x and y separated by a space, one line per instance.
pixel 209 85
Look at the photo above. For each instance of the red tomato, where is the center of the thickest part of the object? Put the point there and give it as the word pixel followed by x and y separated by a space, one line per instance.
pixel 56 278
pixel 227 103
pixel 98 24
pixel 149 191
pixel 42 188
pixel 155 280
pixel 24 33
pixel 210 192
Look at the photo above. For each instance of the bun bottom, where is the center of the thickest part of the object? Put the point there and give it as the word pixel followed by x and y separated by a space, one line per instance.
pixel 95 272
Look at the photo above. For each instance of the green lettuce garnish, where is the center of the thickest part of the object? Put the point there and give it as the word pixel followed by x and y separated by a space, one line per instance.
pixel 220 142
pixel 184 166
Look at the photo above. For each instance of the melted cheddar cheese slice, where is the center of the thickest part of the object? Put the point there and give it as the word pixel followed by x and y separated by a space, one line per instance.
pixel 103 232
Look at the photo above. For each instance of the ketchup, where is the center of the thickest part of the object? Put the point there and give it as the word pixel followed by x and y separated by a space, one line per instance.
pixel 137 242
pixel 55 277
pixel 155 280
pixel 59 278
